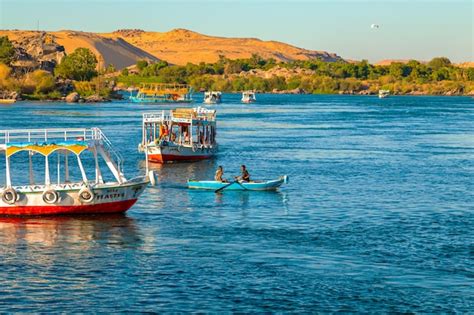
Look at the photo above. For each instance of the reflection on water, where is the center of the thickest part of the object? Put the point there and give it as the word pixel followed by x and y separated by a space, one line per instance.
pixel 181 172
pixel 80 231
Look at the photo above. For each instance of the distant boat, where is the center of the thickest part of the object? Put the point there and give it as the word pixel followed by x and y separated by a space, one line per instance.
pixel 253 185
pixel 163 93
pixel 7 100
pixel 248 97
pixel 212 97
pixel 384 93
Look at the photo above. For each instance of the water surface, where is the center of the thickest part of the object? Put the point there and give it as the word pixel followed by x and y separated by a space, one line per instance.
pixel 378 214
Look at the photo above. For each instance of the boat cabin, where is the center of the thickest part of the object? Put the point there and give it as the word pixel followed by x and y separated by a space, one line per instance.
pixel 248 97
pixel 163 93
pixel 212 97
pixel 180 134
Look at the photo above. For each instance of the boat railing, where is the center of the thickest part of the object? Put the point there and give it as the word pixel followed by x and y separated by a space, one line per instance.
pixel 156 117
pixel 99 135
pixel 46 135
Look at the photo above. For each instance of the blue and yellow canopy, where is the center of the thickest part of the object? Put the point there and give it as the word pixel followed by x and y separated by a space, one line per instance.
pixel 47 148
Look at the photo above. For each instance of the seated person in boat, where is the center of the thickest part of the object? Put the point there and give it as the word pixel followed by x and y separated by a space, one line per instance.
pixel 164 132
pixel 201 137
pixel 245 176
pixel 219 175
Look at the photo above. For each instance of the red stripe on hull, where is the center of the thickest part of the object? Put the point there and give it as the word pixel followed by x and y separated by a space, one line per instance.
pixel 163 158
pixel 110 207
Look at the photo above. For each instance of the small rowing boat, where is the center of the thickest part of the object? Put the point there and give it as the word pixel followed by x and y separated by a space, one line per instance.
pixel 253 185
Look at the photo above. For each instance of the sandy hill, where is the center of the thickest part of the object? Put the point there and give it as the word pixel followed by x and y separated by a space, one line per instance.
pixel 180 46
pixel 469 64
pixel 388 62
pixel 124 47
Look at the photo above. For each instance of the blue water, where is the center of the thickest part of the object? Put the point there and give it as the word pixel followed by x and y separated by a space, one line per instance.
pixel 378 215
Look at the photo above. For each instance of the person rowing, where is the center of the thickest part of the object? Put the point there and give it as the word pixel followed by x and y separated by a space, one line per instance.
pixel 219 175
pixel 245 175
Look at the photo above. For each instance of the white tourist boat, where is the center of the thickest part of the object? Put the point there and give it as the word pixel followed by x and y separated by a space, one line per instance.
pixel 384 93
pixel 182 134
pixel 248 97
pixel 212 97
pixel 61 194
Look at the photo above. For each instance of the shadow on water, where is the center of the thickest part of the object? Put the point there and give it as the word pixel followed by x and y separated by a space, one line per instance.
pixel 117 229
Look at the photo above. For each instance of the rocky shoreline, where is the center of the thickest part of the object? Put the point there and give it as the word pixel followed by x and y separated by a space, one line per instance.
pixel 75 98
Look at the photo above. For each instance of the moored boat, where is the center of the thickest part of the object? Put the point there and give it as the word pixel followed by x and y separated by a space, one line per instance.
pixel 384 93
pixel 248 97
pixel 212 97
pixel 163 93
pixel 182 134
pixel 7 100
pixel 65 195
pixel 253 185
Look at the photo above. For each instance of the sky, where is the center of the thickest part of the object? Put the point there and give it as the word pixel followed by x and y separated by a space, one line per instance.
pixel 417 29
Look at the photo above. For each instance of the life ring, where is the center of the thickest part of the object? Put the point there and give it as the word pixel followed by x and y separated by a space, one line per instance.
pixel 86 195
pixel 50 196
pixel 9 196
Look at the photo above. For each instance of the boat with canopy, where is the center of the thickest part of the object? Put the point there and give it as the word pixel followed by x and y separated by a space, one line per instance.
pixel 248 97
pixel 212 97
pixel 181 134
pixel 238 185
pixel 163 93
pixel 67 187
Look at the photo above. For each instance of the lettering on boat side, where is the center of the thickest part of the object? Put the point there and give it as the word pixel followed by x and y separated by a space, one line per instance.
pixel 114 194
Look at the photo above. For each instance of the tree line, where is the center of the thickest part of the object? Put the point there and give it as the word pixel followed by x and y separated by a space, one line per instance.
pixel 438 76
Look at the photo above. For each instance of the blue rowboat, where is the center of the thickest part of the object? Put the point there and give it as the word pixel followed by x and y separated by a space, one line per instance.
pixel 254 185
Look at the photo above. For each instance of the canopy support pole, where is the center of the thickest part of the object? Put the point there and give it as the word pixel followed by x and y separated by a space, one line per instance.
pixel 47 178
pixel 59 168
pixel 7 170
pixel 66 167
pixel 30 168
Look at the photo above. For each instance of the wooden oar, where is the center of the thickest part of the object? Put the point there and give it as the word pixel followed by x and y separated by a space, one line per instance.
pixel 224 187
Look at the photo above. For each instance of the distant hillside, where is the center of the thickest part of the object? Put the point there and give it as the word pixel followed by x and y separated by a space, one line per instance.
pixel 124 47
pixel 181 46
pixel 114 51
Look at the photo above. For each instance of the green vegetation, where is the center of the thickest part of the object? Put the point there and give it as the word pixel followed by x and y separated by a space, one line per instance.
pixel 438 76
pixel 80 65
pixel 77 72
pixel 7 51
pixel 96 86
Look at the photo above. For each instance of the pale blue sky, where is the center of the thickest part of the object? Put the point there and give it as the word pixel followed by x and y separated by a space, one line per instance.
pixel 417 29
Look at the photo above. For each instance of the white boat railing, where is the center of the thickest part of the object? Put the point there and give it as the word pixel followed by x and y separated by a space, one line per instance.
pixel 99 135
pixel 48 135
pixel 61 134
pixel 156 117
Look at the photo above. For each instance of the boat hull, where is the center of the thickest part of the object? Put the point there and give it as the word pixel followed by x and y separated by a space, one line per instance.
pixel 107 199
pixel 252 186
pixel 167 154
